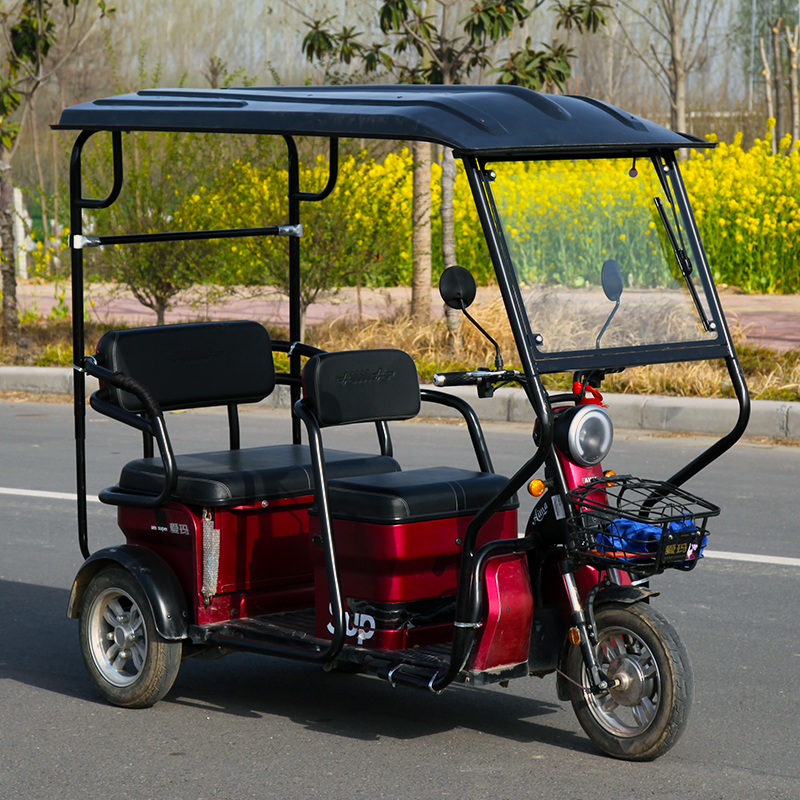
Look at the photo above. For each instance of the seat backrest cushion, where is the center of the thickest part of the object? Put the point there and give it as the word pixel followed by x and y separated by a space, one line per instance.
pixel 361 386
pixel 193 365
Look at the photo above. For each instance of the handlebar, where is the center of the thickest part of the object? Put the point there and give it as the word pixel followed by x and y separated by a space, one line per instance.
pixel 486 379
pixel 478 376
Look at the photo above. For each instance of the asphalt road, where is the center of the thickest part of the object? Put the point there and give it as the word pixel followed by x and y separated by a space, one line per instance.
pixel 253 727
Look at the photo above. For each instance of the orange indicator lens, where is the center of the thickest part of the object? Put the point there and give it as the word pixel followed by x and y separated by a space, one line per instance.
pixel 537 487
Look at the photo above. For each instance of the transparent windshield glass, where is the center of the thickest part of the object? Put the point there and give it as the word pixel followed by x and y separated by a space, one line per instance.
pixel 592 246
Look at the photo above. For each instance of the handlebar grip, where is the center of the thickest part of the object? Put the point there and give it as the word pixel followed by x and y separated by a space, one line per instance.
pixel 454 379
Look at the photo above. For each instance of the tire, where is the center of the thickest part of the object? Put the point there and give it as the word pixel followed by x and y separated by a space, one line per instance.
pixel 128 661
pixel 642 718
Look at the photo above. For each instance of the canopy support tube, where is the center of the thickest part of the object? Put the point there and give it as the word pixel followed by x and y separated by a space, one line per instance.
pixel 295 307
pixel 77 203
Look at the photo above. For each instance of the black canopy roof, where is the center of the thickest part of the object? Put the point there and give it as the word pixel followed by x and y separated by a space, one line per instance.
pixel 500 121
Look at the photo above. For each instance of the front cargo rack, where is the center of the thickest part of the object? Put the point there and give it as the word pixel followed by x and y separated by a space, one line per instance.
pixel 639 525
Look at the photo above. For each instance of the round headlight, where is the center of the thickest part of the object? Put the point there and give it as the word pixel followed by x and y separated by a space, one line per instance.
pixel 584 434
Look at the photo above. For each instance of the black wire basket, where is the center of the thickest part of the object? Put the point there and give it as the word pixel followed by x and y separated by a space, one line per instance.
pixel 638 525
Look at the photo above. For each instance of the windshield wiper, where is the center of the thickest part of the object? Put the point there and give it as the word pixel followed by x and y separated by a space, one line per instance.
pixel 684 264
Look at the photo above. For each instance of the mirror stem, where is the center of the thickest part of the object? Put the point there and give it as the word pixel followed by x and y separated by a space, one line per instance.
pixel 498 359
pixel 608 322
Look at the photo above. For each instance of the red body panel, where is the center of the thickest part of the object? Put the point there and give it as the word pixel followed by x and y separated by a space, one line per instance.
pixel 585 576
pixel 398 564
pixel 576 475
pixel 265 559
pixel 504 639
pixel 268 565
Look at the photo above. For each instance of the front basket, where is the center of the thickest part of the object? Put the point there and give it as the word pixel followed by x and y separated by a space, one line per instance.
pixel 638 525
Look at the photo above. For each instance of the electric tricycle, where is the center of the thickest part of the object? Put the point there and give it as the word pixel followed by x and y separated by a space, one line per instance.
pixel 420 577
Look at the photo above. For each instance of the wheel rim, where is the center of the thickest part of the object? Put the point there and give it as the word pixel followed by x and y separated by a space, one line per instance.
pixel 117 637
pixel 630 706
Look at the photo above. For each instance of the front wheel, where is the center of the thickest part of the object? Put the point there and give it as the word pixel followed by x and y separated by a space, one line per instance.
pixel 647 708
pixel 127 660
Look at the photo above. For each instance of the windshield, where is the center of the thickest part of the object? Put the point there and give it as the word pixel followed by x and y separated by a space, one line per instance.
pixel 601 255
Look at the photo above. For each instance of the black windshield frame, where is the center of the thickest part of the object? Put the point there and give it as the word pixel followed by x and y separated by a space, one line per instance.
pixel 718 345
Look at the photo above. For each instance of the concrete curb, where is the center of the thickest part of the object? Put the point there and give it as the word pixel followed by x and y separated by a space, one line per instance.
pixel 40 380
pixel 714 416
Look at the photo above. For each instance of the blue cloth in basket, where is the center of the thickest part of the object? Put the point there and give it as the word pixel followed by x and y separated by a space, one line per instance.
pixel 639 537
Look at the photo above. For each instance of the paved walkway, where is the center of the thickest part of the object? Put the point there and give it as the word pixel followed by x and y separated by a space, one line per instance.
pixel 768 320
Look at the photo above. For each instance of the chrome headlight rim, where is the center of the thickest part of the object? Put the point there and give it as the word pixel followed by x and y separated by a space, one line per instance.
pixel 569 426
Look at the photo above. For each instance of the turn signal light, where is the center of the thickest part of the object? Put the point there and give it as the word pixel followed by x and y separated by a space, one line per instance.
pixel 574 636
pixel 609 473
pixel 537 487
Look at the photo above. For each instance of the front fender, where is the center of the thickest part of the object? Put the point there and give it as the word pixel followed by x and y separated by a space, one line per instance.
pixel 627 595
pixel 157 580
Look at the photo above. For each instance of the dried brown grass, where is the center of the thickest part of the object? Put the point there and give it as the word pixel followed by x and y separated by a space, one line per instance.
pixel 434 347
pixel 770 375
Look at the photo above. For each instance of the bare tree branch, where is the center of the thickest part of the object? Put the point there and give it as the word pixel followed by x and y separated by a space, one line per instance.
pixel 643 17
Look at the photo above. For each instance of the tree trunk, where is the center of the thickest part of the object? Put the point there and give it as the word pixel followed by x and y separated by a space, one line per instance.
pixel 792 39
pixel 421 233
pixel 446 209
pixel 677 77
pixel 161 312
pixel 778 79
pixel 40 172
pixel 768 88
pixel 7 260
pixel 452 315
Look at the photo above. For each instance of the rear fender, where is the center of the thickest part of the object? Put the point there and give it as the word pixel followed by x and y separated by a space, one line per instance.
pixel 157 580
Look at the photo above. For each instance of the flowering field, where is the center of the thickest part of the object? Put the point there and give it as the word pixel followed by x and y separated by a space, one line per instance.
pixel 746 202
pixel 747 205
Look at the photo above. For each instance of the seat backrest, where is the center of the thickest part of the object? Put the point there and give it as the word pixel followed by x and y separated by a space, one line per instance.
pixel 361 386
pixel 192 365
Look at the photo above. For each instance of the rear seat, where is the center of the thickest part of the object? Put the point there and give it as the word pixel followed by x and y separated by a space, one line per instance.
pixel 207 364
pixel 239 477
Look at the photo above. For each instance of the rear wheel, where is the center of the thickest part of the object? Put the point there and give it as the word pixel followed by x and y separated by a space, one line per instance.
pixel 128 661
pixel 647 708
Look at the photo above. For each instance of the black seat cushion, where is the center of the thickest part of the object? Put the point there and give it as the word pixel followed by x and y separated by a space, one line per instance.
pixel 231 477
pixel 416 495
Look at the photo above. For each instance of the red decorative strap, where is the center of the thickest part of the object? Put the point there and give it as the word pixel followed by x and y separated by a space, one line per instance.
pixel 592 396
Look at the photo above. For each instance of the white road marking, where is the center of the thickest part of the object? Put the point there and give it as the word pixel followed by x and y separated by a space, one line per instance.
pixel 751 557
pixel 757 559
pixel 45 495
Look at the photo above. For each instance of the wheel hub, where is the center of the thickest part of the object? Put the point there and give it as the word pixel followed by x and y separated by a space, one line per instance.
pixel 118 646
pixel 124 636
pixel 629 682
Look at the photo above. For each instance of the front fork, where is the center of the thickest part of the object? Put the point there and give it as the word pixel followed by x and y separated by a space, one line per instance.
pixel 584 631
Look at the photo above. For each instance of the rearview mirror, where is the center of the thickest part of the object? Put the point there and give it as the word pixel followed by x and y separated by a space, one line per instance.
pixel 457 287
pixel 611 278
